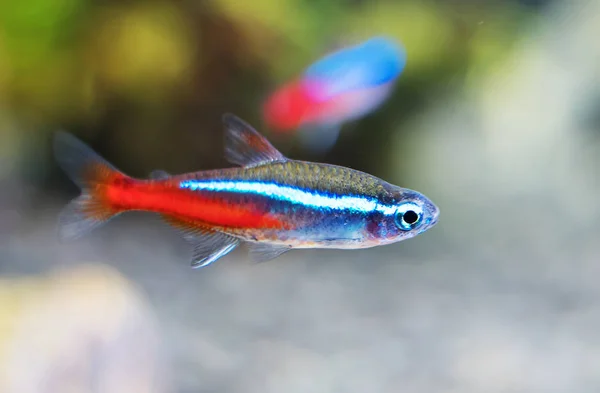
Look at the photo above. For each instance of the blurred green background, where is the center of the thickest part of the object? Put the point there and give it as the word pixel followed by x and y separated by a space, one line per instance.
pixel 147 81
pixel 495 118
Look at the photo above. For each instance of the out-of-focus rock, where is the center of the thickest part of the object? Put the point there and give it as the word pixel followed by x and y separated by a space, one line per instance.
pixel 78 330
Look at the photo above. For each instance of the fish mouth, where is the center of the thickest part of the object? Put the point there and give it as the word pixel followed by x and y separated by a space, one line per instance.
pixel 435 216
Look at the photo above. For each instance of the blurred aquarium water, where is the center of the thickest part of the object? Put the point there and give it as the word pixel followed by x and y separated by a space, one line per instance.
pixel 495 117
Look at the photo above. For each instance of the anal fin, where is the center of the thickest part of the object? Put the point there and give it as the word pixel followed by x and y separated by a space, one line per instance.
pixel 211 247
pixel 263 252
pixel 208 245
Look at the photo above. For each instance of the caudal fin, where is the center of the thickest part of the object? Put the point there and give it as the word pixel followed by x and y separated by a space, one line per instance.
pixel 93 175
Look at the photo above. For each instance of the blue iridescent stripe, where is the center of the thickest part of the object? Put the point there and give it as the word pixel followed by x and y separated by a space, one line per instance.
pixel 291 194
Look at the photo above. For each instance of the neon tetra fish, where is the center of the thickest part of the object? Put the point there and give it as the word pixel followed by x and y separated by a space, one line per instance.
pixel 342 86
pixel 271 202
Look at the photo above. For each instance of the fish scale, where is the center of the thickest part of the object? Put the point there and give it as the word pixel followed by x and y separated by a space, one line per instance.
pixel 304 175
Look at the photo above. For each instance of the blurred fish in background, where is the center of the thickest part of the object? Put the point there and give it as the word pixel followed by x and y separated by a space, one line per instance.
pixel 341 87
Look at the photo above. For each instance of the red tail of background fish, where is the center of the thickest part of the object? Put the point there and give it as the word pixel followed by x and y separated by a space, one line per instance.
pixel 94 176
pixel 288 107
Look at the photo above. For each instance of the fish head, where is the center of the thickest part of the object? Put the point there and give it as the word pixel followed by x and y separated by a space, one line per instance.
pixel 409 214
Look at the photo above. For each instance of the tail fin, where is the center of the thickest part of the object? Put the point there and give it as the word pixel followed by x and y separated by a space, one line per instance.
pixel 93 175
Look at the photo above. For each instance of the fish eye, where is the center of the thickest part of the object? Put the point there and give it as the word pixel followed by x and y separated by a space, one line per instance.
pixel 408 216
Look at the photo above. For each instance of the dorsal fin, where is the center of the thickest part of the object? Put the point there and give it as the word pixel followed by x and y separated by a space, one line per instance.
pixel 244 146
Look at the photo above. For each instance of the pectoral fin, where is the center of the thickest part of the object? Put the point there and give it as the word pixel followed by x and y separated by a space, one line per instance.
pixel 263 252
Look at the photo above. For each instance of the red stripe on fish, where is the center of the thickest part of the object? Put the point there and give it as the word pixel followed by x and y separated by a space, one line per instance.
pixel 166 197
